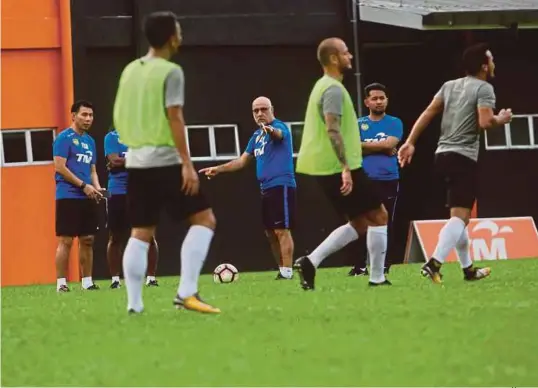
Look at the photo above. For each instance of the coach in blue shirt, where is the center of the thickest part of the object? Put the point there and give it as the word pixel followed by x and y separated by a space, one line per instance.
pixel 272 146
pixel 119 227
pixel 77 193
pixel 380 134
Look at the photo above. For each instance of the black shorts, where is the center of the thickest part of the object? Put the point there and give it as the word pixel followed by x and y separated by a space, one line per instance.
pixel 149 190
pixel 387 190
pixel 117 217
pixel 76 217
pixel 363 198
pixel 459 173
pixel 278 207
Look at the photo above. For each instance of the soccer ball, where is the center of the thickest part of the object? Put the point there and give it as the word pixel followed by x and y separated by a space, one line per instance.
pixel 225 273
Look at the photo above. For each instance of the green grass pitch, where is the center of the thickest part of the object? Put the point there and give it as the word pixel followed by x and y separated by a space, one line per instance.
pixel 272 333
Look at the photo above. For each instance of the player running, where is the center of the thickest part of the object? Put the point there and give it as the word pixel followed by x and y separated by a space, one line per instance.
pixel 148 115
pixel 467 106
pixel 272 147
pixel 331 151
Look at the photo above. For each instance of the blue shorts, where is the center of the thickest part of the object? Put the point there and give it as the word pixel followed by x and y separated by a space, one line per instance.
pixel 278 207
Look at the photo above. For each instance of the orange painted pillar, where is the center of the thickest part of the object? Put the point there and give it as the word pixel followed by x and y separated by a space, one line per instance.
pixel 36 71
pixel 67 59
pixel 66 53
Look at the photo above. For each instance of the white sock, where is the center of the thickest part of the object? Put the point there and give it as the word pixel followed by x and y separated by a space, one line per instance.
pixel 448 238
pixel 61 282
pixel 193 254
pixel 338 239
pixel 115 279
pixel 287 272
pixel 376 241
pixel 135 263
pixel 150 279
pixel 462 247
pixel 87 282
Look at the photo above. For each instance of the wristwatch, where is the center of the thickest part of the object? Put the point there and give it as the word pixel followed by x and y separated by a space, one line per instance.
pixel 82 186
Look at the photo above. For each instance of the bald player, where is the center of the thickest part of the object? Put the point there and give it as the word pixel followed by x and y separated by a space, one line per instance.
pixel 331 152
pixel 271 145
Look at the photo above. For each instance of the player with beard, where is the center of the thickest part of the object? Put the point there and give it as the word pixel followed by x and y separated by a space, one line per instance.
pixel 467 105
pixel 380 134
pixel 331 152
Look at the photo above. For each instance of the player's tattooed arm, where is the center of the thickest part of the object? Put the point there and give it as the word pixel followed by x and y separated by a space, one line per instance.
pixel 335 136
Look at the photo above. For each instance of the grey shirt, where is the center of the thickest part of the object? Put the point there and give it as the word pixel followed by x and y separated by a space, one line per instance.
pixel 332 101
pixel 460 131
pixel 150 156
pixel 174 88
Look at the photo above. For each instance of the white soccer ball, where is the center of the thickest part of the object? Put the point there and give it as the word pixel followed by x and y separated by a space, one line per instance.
pixel 225 273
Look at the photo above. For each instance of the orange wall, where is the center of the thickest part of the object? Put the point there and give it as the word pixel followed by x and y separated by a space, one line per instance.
pixel 28 241
pixel 30 24
pixel 31 93
pixel 33 76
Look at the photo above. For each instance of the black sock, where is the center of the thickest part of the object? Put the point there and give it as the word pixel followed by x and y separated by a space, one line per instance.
pixel 469 270
pixel 434 265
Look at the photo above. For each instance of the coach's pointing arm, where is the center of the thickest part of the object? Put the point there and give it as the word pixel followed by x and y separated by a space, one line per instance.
pixel 232 166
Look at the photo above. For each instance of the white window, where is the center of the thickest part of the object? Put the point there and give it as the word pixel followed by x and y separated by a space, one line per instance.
pixel 213 142
pixel 296 128
pixel 521 133
pixel 24 147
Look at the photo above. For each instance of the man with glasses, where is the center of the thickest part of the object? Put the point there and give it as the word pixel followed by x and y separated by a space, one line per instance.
pixel 272 147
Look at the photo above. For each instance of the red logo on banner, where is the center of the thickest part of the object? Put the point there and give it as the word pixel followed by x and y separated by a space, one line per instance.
pixel 490 239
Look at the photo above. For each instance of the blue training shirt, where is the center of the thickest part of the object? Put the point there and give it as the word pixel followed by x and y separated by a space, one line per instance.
pixel 117 180
pixel 380 166
pixel 81 154
pixel 274 158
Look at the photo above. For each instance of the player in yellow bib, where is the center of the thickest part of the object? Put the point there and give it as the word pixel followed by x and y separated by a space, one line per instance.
pixel 148 115
pixel 331 152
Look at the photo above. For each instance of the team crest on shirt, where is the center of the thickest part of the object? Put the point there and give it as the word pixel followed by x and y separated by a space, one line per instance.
pixel 364 126
pixel 75 142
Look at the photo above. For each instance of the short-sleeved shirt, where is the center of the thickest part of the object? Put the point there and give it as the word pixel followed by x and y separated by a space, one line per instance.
pixel 380 166
pixel 274 158
pixel 460 130
pixel 117 180
pixel 80 153
pixel 149 156
pixel 316 155
pixel 332 101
